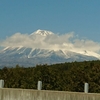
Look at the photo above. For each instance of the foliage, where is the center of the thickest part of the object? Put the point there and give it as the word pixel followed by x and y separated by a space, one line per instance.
pixel 62 77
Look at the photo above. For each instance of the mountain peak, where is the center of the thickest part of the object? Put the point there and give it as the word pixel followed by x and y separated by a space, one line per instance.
pixel 42 32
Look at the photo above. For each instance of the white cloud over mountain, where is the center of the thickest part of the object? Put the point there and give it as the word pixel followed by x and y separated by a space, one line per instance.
pixel 52 41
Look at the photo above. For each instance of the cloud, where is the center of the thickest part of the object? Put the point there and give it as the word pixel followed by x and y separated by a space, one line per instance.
pixel 59 39
pixel 16 40
pixel 87 45
pixel 66 41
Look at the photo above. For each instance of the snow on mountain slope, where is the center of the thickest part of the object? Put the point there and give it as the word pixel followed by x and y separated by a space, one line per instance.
pixel 87 53
pixel 29 56
pixel 45 52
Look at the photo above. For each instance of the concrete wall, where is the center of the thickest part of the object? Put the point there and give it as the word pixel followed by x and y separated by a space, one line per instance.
pixel 26 94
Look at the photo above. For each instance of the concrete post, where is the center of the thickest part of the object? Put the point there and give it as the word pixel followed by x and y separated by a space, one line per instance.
pixel 1 83
pixel 86 87
pixel 39 87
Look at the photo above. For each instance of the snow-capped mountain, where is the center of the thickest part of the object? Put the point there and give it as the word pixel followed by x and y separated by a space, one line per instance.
pixel 42 32
pixel 29 56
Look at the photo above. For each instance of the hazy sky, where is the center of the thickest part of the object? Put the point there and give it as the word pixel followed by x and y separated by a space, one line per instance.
pixel 59 16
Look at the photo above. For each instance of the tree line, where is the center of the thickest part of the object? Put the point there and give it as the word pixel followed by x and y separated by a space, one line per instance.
pixel 60 77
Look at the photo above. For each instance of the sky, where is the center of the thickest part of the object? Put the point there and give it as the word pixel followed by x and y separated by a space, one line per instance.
pixel 82 17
